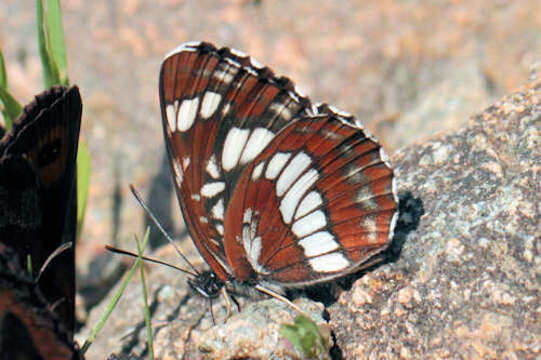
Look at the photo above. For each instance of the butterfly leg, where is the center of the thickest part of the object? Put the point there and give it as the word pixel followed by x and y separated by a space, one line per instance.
pixel 211 312
pixel 227 304
pixel 281 298
pixel 235 301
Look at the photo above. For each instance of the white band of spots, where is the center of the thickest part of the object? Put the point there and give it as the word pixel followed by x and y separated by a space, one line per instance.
pixel 187 113
pixel 212 189
pixel 211 101
pixel 329 263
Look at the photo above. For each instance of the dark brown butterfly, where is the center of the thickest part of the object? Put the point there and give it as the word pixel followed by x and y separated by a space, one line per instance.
pixel 28 327
pixel 38 206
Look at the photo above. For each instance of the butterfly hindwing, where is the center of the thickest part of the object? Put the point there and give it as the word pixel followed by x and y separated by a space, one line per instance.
pixel 28 328
pixel 315 204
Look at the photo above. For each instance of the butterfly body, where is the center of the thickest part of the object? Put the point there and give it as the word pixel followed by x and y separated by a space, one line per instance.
pixel 275 190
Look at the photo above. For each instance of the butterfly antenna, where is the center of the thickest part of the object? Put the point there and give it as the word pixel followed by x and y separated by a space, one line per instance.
pixel 129 253
pixel 160 227
pixel 50 258
pixel 211 312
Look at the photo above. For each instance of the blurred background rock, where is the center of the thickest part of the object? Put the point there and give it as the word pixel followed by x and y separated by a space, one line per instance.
pixel 407 69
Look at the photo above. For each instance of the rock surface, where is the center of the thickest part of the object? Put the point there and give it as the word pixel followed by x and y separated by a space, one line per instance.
pixel 464 281
pixel 466 284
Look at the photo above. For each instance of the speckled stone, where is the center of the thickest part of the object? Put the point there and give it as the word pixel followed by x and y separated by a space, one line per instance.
pixel 466 284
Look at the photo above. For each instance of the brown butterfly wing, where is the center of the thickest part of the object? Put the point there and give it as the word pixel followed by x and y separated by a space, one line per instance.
pixel 28 328
pixel 38 167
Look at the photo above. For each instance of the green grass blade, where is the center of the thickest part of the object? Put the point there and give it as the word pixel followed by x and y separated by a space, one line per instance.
pixel 83 183
pixel 29 265
pixel 56 41
pixel 49 67
pixel 11 110
pixel 97 328
pixel 3 73
pixel 147 311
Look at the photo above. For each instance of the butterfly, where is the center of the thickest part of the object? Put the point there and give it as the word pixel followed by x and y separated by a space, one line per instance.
pixel 28 327
pixel 38 205
pixel 276 191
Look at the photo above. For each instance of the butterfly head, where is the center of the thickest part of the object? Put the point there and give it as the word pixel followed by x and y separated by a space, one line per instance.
pixel 206 284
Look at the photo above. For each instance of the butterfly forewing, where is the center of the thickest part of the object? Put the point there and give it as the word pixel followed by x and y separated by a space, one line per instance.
pixel 315 204
pixel 220 110
pixel 37 187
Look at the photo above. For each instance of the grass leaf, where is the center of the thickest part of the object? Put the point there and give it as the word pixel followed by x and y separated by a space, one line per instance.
pixel 49 67
pixel 56 42
pixel 3 73
pixel 114 300
pixel 11 110
pixel 83 183
pixel 29 265
pixel 147 311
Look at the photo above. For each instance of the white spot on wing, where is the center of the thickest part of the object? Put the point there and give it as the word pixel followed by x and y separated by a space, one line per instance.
pixel 329 263
pixel 251 71
pixel 212 167
pixel 281 110
pixel 232 62
pixel 258 170
pixel 383 155
pixel 238 53
pixel 340 112
pixel 226 109
pixel 247 217
pixel 309 203
pixel 203 219
pixel 218 210
pixel 258 140
pixel 254 252
pixel 233 145
pixel 370 225
pixel 220 229
pixel 276 164
pixel 309 224
pixel 252 244
pixel 196 197
pixel 292 171
pixel 185 162
pixel 295 193
pixel 211 100
pixel 300 91
pixel 224 76
pixel 319 243
pixel 187 46
pixel 212 189
pixel 171 114
pixel 255 63
pixel 179 174
pixel 187 113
